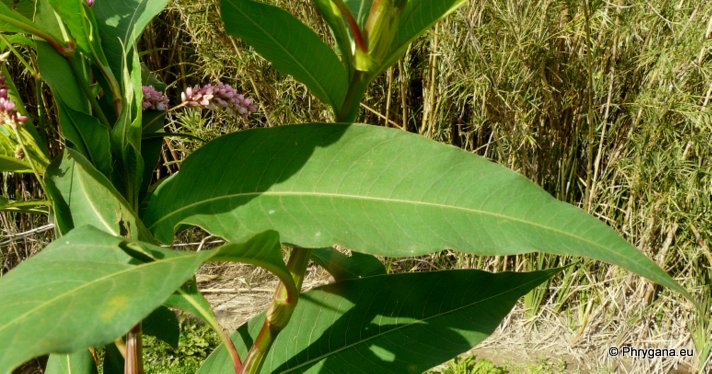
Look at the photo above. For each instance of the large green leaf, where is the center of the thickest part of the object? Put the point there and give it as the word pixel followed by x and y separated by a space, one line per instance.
pixel 414 322
pixel 291 46
pixel 378 191
pixel 120 24
pixel 83 290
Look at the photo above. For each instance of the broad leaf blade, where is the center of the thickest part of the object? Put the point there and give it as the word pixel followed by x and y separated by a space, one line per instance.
pixel 414 322
pixel 378 191
pixel 290 45
pixel 82 290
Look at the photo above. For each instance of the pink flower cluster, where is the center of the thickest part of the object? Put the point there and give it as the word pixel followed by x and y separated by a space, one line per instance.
pixel 154 100
pixel 219 96
pixel 8 113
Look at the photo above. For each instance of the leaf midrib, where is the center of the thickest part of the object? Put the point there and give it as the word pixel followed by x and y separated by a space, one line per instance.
pixel 414 322
pixel 373 198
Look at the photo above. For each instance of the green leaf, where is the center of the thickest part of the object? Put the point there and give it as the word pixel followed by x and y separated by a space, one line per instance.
pixel 24 7
pixel 126 134
pixel 88 136
pixel 417 17
pixel 9 17
pixel 82 290
pixel 291 46
pixel 80 362
pixel 360 10
pixel 379 191
pixel 84 196
pixel 72 13
pixel 57 72
pixel 414 322
pixel 332 16
pixel 27 206
pixel 343 267
pixel 120 24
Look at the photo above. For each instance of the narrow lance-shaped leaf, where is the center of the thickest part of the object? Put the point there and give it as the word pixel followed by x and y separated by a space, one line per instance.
pixel 414 322
pixel 378 191
pixel 289 45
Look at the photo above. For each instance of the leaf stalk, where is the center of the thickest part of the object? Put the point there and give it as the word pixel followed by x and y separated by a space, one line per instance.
pixel 279 313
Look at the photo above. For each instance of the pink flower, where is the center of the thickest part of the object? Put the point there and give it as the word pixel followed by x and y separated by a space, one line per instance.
pixel 90 2
pixel 220 96
pixel 153 100
pixel 8 113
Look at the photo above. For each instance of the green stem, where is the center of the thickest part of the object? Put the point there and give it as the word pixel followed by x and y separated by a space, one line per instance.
pixel 352 100
pixel 279 312
pixel 27 26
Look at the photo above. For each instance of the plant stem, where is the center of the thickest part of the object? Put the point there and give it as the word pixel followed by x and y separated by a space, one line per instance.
pixel 27 26
pixel 279 312
pixel 349 107
pixel 133 362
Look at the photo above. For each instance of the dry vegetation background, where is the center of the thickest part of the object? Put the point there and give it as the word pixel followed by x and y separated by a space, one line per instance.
pixel 604 104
